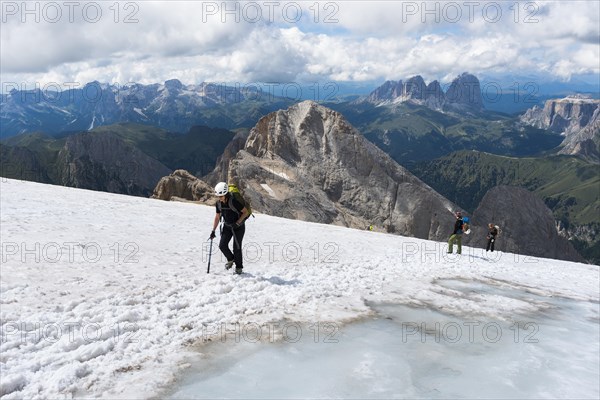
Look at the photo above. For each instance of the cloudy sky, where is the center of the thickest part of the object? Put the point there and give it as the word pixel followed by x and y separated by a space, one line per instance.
pixel 301 41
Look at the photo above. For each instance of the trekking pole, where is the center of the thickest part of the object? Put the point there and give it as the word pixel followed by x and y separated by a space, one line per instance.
pixel 209 255
pixel 235 238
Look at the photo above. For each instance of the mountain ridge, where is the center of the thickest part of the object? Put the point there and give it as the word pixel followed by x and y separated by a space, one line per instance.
pixel 122 158
pixel 171 105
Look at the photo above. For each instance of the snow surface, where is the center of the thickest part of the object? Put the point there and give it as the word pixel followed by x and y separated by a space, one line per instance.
pixel 105 295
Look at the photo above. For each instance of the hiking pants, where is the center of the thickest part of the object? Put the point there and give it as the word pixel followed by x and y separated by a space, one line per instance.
pixel 455 238
pixel 490 244
pixel 226 234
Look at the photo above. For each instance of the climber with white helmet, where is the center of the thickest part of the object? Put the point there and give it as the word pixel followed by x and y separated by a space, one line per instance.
pixel 233 211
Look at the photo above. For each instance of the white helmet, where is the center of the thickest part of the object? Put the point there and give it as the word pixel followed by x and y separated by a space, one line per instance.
pixel 221 189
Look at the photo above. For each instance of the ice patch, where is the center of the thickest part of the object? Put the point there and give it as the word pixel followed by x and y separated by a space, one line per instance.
pixel 268 190
pixel 280 174
pixel 408 353
pixel 140 112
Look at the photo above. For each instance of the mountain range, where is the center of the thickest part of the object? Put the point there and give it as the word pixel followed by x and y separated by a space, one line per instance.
pixel 413 123
pixel 171 106
pixel 410 120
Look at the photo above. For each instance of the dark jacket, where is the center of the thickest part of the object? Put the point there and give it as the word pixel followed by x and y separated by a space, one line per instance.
pixel 458 225
pixel 229 215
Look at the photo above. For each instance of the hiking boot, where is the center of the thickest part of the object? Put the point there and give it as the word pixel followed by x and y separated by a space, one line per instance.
pixel 239 271
pixel 228 264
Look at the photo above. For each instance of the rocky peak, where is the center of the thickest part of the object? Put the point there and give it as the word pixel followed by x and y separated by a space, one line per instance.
pixel 397 91
pixel 305 125
pixel 93 83
pixel 414 88
pixel 435 97
pixel 174 84
pixel 388 91
pixel 464 93
pixel 309 163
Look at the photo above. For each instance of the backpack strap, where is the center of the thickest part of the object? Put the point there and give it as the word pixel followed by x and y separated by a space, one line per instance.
pixel 219 210
pixel 231 206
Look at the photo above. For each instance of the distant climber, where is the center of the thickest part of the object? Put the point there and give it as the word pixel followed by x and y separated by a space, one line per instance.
pixel 491 237
pixel 456 236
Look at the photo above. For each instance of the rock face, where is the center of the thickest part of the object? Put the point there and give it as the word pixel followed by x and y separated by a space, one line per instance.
pixel 528 227
pixel 181 185
pixel 463 95
pixel 575 117
pixel 388 91
pixel 564 116
pixel 105 162
pixel 586 142
pixel 435 98
pixel 308 163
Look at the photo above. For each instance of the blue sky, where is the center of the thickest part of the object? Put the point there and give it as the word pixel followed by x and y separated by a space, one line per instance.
pixel 301 41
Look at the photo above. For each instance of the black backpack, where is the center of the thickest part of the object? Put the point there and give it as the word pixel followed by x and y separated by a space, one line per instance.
pixel 235 193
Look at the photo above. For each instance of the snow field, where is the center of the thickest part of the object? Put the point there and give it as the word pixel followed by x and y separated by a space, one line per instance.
pixel 106 295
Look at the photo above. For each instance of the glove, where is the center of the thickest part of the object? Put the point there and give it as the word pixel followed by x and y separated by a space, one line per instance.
pixel 212 235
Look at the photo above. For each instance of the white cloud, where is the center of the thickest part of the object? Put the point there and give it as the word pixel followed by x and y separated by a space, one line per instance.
pixel 360 41
pixel 582 62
